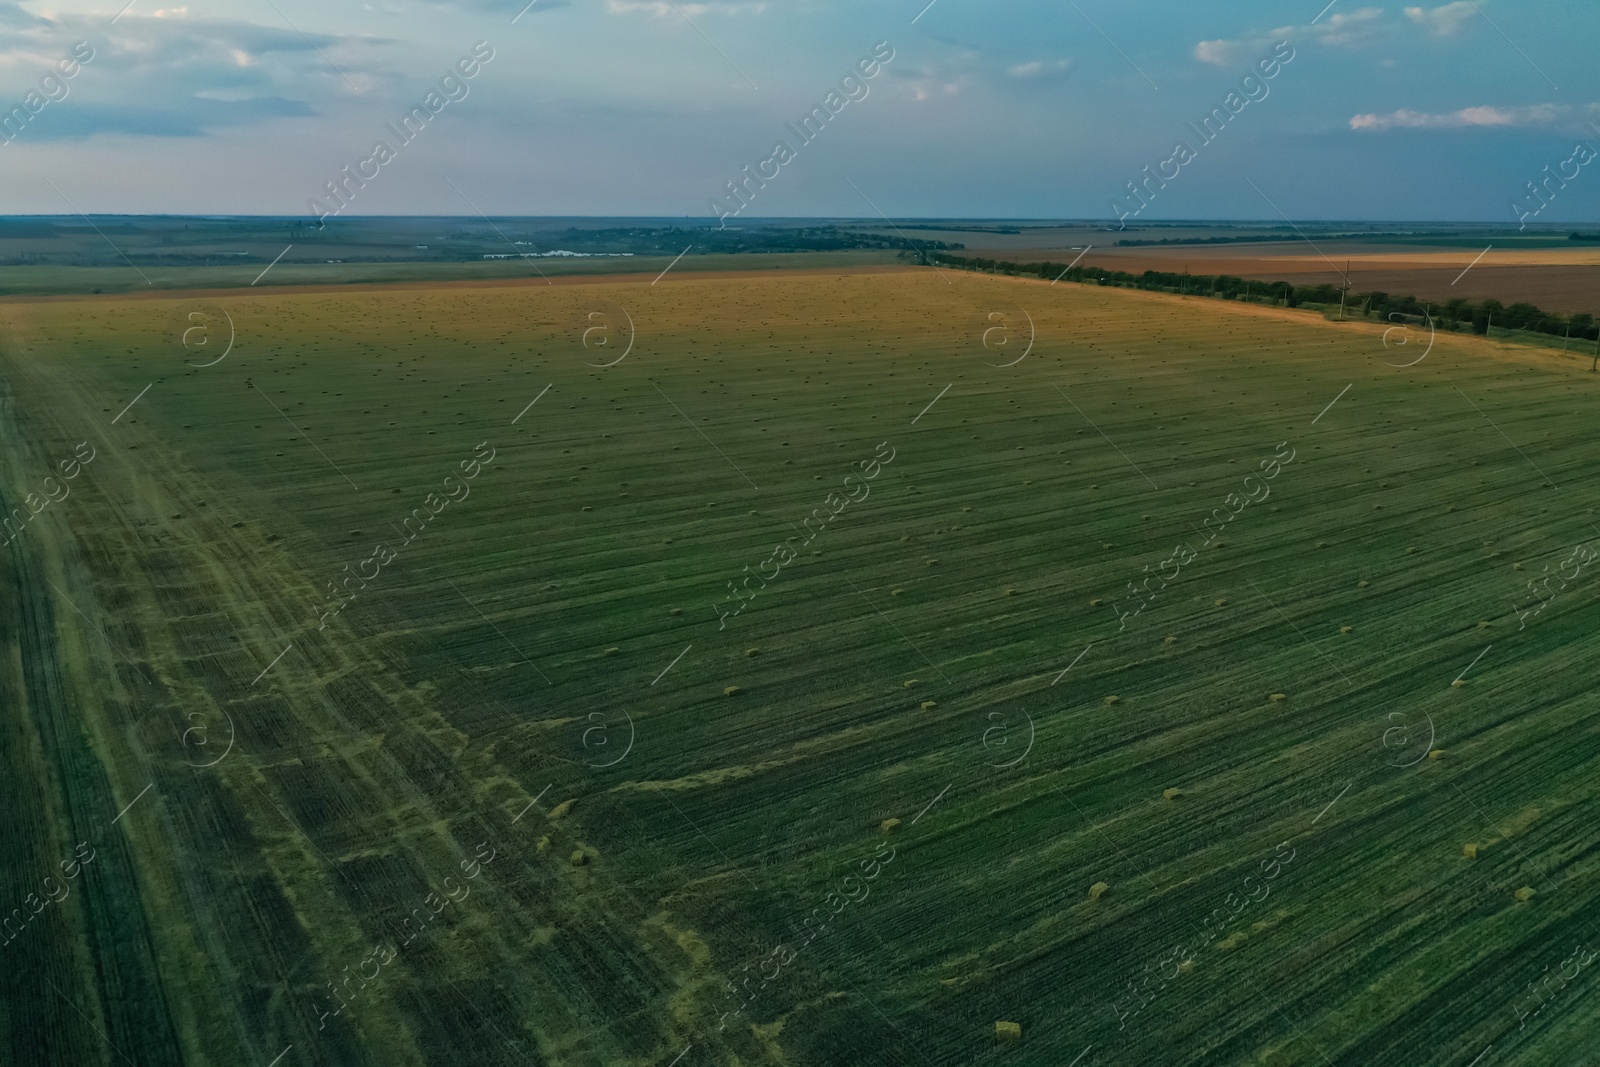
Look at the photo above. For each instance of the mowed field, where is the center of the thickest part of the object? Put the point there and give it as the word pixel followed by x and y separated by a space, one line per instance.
pixel 537 795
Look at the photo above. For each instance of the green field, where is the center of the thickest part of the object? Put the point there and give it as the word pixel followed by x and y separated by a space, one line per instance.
pixel 710 791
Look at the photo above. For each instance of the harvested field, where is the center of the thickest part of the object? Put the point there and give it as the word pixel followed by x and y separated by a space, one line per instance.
pixel 518 791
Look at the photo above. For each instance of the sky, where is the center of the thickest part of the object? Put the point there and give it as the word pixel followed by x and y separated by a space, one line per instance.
pixel 1005 108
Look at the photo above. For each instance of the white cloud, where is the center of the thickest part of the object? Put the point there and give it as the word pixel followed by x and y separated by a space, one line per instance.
pixel 1038 68
pixel 1445 21
pixel 1466 118
pixel 1221 53
pixel 660 9
pixel 1350 30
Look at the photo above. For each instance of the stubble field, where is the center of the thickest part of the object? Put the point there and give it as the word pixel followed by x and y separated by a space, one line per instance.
pixel 546 790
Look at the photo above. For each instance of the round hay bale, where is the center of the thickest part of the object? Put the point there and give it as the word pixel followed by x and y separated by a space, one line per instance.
pixel 1008 1031
pixel 1172 794
pixel 732 690
pixel 928 705
pixel 1436 753
pixel 752 652
pixel 1346 629
pixel 579 857
pixel 1470 850
pixel 1220 601
pixel 612 651
pixel 1277 698
pixel 889 826
pixel 1113 700
pixel 1098 890
pixel 909 682
pixel 1525 894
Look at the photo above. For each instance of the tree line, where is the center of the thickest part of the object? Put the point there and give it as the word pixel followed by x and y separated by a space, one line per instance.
pixel 1457 314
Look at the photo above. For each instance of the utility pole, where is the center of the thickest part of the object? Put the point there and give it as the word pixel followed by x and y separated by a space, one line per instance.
pixel 1568 341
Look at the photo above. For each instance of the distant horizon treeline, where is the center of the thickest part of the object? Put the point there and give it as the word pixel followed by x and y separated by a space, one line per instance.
pixel 1457 314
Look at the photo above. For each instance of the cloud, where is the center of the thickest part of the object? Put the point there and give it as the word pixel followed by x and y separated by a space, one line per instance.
pixel 539 7
pixel 1349 30
pixel 661 9
pixel 1445 21
pixel 188 73
pixel 934 80
pixel 1039 69
pixel 1466 118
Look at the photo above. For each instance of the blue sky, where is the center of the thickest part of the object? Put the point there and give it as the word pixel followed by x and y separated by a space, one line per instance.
pixel 1029 108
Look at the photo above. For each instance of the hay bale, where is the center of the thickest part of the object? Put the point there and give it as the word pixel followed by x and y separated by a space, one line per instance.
pixel 1346 629
pixel 1277 698
pixel 1186 966
pixel 1009 592
pixel 1483 624
pixel 543 846
pixel 560 809
pixel 1113 700
pixel 889 826
pixel 1459 683
pixel 1220 601
pixel 1098 890
pixel 1170 640
pixel 1362 584
pixel 732 690
pixel 1171 794
pixel 929 705
pixel 1008 1031
pixel 612 651
pixel 896 592
pixel 1096 602
pixel 1525 894
pixel 752 652
pixel 909 682
pixel 1470 851
pixel 1436 753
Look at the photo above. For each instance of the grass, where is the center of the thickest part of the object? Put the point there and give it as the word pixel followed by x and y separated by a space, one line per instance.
pixel 464 696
